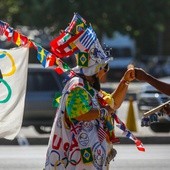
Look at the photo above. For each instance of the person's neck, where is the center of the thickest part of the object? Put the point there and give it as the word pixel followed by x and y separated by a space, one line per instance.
pixel 90 79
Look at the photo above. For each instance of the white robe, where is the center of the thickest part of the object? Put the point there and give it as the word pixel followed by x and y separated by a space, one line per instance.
pixel 83 146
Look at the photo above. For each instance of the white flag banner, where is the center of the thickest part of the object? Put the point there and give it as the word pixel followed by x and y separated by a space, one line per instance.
pixel 13 78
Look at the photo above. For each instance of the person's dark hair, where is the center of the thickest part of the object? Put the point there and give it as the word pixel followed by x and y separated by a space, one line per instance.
pixel 106 68
pixel 96 84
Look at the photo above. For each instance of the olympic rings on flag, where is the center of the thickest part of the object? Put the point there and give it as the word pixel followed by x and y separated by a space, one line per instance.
pixel 9 91
pixel 13 67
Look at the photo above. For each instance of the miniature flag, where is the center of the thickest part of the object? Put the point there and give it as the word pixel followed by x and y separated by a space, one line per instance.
pixel 61 66
pixel 3 27
pixel 76 25
pixel 101 134
pixel 85 41
pixel 45 57
pixel 9 33
pixel 82 59
pixel 19 39
pixel 13 66
pixel 63 45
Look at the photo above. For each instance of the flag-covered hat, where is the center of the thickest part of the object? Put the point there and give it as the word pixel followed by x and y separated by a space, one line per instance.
pixel 80 40
pixel 92 61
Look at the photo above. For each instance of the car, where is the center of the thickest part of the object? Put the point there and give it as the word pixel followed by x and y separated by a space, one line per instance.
pixel 148 98
pixel 123 51
pixel 42 85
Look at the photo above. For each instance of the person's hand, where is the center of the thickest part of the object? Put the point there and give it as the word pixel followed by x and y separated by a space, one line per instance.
pixel 147 121
pixel 129 75
pixel 166 109
pixel 109 109
pixel 140 74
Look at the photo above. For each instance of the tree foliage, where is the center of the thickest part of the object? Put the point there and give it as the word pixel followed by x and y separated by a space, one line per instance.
pixel 144 20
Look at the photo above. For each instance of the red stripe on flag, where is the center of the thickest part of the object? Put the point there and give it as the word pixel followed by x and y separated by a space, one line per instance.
pixel 101 134
pixel 139 145
pixel 59 70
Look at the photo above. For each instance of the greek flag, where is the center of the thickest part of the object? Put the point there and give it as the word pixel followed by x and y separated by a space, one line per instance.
pixel 86 39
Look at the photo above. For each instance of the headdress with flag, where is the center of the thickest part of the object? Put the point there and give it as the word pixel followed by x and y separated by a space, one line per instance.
pixel 79 39
pixel 63 45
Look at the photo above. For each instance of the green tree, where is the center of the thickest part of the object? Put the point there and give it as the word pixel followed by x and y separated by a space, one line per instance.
pixel 144 20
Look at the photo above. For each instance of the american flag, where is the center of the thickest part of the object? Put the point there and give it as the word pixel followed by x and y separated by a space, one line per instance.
pixel 3 26
pixel 101 134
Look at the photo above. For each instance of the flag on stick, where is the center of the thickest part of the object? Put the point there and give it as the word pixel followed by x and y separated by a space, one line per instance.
pixel 63 45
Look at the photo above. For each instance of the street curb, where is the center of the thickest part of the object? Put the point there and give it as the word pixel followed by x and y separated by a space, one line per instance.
pixel 123 140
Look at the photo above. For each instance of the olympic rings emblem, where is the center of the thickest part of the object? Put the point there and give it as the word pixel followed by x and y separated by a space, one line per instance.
pixel 11 72
pixel 9 91
pixel 13 67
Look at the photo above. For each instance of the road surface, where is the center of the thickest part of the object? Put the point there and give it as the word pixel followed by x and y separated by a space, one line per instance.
pixel 128 158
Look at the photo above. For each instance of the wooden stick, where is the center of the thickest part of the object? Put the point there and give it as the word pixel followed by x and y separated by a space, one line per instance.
pixel 156 109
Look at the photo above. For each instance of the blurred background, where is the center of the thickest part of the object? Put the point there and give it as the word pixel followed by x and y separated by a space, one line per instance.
pixel 136 31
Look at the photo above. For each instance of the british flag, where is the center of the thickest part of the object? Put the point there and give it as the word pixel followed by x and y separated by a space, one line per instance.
pixel 75 129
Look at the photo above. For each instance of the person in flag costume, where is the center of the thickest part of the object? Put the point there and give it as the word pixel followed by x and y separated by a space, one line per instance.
pixel 82 135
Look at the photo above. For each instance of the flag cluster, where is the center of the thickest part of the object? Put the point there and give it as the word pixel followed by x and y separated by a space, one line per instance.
pixel 77 37
pixel 64 45
pixel 45 57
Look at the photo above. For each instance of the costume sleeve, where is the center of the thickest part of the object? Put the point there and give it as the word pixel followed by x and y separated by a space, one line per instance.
pixel 78 102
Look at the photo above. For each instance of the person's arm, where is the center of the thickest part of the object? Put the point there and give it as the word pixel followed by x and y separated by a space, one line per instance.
pixel 141 75
pixel 120 92
pixel 93 114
